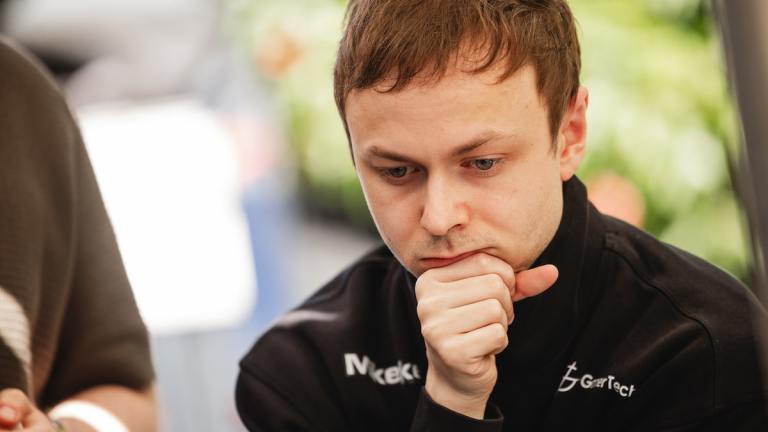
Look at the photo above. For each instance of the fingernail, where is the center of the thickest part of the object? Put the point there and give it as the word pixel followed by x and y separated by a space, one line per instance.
pixel 8 414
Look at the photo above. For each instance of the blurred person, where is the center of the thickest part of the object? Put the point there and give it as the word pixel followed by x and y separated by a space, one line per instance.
pixel 117 49
pixel 614 195
pixel 170 75
pixel 74 352
pixel 502 299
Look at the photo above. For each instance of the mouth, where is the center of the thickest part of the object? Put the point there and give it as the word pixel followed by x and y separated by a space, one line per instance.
pixel 435 262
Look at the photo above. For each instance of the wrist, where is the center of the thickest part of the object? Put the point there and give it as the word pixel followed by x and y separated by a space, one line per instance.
pixel 467 404
pixel 71 425
pixel 84 416
pixel 58 426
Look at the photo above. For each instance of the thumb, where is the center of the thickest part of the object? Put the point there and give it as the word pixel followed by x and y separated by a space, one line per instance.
pixel 14 407
pixel 534 281
pixel 9 416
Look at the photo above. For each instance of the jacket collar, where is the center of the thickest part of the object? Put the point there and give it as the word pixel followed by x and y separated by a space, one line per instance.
pixel 545 324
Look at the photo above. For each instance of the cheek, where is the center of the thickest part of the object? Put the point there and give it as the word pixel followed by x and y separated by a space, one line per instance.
pixel 519 206
pixel 393 213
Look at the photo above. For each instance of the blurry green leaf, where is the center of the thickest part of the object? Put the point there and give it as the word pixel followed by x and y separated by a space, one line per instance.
pixel 659 114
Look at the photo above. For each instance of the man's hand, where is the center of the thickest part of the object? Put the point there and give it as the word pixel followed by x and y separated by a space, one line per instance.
pixel 465 309
pixel 18 413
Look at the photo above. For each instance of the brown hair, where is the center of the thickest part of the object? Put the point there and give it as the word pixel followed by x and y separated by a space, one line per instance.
pixel 396 40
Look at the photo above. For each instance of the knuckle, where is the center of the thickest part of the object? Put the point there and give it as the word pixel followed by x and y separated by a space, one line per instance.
pixel 424 283
pixel 499 308
pixel 425 286
pixel 510 275
pixel 495 279
pixel 423 309
pixel 484 261
pixel 499 334
pixel 433 303
pixel 429 332
pixel 420 286
pixel 496 286
pixel 502 343
pixel 429 306
pixel 503 317
pixel 492 307
pixel 499 285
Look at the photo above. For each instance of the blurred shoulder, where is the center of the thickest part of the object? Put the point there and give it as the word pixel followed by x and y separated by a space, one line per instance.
pixel 34 114
pixel 341 307
pixel 697 287
pixel 717 310
pixel 298 365
pixel 23 73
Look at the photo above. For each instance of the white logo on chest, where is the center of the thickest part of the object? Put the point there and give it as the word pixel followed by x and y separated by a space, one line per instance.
pixel 588 381
pixel 401 373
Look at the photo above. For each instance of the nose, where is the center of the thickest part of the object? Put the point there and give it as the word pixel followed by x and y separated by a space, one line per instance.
pixel 444 207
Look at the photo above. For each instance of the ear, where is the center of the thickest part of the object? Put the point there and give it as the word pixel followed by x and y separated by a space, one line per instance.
pixel 572 135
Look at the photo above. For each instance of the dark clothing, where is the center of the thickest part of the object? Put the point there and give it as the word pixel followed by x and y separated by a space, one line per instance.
pixel 634 335
pixel 68 320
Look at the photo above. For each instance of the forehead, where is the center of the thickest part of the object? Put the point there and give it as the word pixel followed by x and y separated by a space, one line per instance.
pixel 456 107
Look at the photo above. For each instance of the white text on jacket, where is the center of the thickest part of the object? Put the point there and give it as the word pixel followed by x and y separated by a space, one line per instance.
pixel 588 381
pixel 402 372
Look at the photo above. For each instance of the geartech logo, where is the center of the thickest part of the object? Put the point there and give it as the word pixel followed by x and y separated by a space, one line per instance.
pixel 588 381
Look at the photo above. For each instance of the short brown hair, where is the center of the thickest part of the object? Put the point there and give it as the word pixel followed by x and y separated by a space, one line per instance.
pixel 399 39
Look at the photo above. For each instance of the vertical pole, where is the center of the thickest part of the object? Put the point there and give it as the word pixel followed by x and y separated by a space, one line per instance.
pixel 743 28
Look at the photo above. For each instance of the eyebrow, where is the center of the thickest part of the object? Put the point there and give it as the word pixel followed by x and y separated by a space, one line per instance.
pixel 475 143
pixel 461 150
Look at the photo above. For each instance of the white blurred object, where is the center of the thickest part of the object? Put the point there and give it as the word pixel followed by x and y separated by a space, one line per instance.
pixel 131 48
pixel 168 172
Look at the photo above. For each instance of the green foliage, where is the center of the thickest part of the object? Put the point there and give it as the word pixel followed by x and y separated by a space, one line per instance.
pixel 661 117
pixel 659 113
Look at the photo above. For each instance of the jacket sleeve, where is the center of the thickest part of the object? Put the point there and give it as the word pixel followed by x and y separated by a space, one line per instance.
pixel 263 408
pixel 284 386
pixel 431 416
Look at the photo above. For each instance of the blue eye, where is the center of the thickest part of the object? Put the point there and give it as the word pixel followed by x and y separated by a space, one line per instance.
pixel 484 164
pixel 397 172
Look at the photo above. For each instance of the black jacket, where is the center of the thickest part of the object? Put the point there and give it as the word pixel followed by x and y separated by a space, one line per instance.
pixel 635 335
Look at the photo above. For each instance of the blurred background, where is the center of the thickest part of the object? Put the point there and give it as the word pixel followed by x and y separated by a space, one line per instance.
pixel 214 135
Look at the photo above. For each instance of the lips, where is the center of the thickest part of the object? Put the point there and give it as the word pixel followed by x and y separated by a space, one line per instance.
pixel 434 262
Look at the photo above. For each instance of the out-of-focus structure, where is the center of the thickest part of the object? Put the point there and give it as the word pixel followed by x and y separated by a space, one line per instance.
pixel 162 104
pixel 744 31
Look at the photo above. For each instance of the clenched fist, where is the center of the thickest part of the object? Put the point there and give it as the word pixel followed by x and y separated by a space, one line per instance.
pixel 465 309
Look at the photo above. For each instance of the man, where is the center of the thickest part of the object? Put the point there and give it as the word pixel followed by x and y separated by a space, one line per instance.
pixel 503 300
pixel 74 353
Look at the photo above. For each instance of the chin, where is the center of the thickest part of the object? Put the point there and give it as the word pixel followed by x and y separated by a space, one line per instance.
pixel 408 264
pixel 413 268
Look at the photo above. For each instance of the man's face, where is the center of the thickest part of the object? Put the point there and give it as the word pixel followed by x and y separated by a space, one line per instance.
pixel 460 166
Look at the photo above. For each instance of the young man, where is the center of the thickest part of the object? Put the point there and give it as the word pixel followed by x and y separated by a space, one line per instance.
pixel 73 348
pixel 503 300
